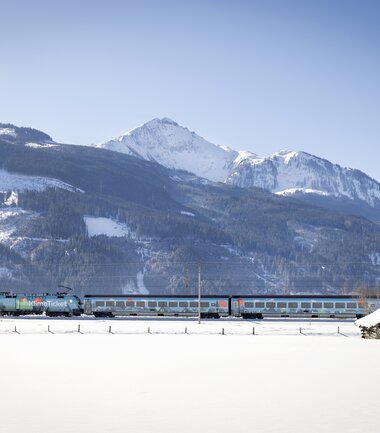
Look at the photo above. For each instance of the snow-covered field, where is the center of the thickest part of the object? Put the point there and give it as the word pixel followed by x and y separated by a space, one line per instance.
pixel 106 226
pixel 278 380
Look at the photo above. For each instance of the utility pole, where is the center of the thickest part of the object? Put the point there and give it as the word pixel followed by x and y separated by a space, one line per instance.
pixel 199 293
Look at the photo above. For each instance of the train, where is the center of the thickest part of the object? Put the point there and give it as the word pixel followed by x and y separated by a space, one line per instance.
pixel 211 306
pixel 58 304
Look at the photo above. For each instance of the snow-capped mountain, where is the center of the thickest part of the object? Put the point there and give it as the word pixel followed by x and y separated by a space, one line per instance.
pixel 287 173
pixel 173 146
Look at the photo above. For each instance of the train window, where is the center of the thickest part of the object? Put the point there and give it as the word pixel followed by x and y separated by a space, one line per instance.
pixel 340 305
pixel 162 304
pixel 259 304
pixel 110 303
pixel 152 304
pixel 305 305
pixel 293 304
pixel 328 305
pixel 173 304
pixel 194 304
pixel 130 303
pixel 317 304
pixel 351 305
pixel 119 303
pixel 99 304
pixel 204 304
pixel 271 304
pixel 183 304
pixel 281 304
pixel 248 304
pixel 140 304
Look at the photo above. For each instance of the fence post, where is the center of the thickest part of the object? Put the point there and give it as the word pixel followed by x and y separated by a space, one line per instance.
pixel 253 331
pixel 222 331
pixel 79 329
pixel 110 330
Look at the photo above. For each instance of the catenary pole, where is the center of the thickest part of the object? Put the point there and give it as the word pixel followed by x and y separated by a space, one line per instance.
pixel 199 293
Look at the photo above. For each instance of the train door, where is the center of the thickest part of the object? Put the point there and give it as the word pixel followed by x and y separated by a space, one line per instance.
pixel 238 307
pixel 87 308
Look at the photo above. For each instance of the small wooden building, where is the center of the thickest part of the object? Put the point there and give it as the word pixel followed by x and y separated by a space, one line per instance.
pixel 370 325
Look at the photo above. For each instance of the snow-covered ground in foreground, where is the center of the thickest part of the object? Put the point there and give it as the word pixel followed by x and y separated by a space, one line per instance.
pixel 273 382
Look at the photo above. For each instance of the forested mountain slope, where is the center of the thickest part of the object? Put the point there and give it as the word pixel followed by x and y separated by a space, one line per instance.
pixel 102 221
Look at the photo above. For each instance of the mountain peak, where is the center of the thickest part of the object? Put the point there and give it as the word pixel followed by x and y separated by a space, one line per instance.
pixel 284 172
pixel 156 122
pixel 167 121
pixel 174 146
pixel 286 155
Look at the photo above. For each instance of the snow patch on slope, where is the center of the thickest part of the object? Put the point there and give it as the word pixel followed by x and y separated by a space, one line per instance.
pixel 183 212
pixel 41 145
pixel 97 226
pixel 11 221
pixel 375 259
pixel 293 191
pixel 140 283
pixel 8 131
pixel 22 182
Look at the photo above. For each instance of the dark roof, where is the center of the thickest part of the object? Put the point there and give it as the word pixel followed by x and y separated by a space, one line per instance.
pixel 224 296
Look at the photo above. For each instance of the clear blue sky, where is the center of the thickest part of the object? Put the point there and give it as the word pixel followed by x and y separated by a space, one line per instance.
pixel 261 75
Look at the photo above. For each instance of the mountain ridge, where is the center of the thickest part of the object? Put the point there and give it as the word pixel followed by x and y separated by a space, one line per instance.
pixel 102 221
pixel 285 172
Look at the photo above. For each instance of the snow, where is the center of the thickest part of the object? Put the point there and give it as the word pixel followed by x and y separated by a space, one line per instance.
pixel 375 258
pixel 292 191
pixel 8 131
pixel 372 319
pixel 9 217
pixel 12 199
pixel 285 172
pixel 141 288
pixel 41 145
pixel 171 145
pixel 176 178
pixel 183 212
pixel 288 172
pixel 97 226
pixel 11 220
pixel 277 381
pixel 22 182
